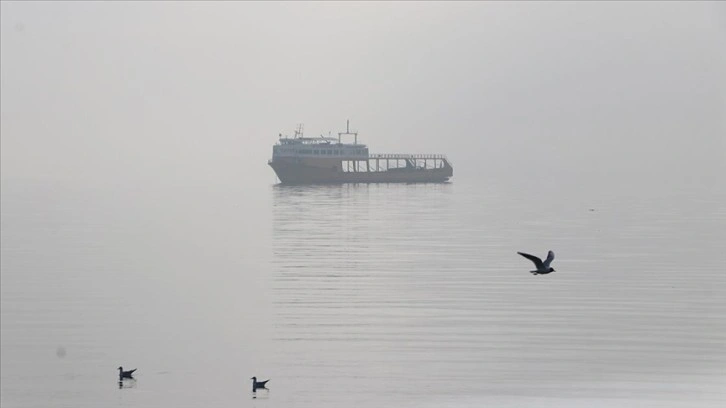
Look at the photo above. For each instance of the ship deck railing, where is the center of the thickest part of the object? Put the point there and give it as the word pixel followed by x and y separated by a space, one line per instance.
pixel 406 156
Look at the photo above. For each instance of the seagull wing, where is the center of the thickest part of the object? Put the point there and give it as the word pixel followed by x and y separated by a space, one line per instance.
pixel 550 258
pixel 536 260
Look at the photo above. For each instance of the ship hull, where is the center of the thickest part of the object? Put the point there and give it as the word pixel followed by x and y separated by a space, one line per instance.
pixel 299 172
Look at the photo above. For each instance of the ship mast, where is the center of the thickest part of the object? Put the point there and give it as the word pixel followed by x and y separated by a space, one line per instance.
pixel 348 132
pixel 299 131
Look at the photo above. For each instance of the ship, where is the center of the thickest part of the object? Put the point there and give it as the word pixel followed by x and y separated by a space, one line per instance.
pixel 328 160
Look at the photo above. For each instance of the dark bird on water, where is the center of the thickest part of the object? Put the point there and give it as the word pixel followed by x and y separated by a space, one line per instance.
pixel 543 268
pixel 125 374
pixel 258 384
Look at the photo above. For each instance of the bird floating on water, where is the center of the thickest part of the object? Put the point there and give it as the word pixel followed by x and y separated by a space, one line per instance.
pixel 125 374
pixel 543 268
pixel 258 384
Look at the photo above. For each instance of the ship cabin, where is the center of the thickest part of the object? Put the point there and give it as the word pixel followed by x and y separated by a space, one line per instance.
pixel 322 147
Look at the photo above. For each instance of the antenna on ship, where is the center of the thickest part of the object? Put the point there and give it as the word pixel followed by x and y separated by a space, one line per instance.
pixel 348 132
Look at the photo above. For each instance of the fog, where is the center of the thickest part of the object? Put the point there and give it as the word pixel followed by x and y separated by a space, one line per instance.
pixel 140 226
pixel 173 92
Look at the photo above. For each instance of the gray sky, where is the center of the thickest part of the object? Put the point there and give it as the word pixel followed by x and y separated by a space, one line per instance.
pixel 97 92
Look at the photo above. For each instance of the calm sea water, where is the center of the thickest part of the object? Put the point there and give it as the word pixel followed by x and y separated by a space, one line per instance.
pixel 362 295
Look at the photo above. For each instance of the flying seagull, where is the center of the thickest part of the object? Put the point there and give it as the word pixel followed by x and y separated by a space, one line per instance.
pixel 258 384
pixel 125 374
pixel 543 268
